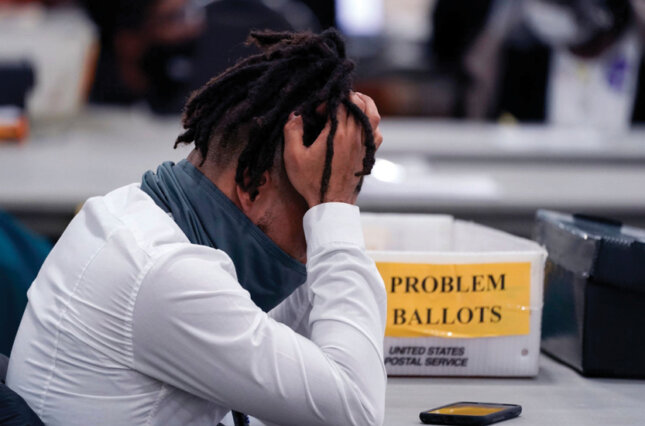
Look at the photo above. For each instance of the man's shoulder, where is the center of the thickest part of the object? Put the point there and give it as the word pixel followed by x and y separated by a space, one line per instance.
pixel 117 240
pixel 129 218
pixel 129 210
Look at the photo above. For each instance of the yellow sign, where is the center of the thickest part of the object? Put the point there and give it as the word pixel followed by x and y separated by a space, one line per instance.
pixel 469 300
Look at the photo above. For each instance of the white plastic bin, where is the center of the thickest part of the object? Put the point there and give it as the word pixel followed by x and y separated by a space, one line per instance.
pixel 463 299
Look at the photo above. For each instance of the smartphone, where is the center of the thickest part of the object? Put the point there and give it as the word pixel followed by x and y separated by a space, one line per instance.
pixel 470 413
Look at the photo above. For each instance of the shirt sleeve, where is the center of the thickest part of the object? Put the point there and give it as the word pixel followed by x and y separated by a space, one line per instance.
pixel 197 329
pixel 294 311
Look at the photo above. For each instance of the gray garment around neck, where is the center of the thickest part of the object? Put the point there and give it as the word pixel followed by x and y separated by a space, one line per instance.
pixel 208 217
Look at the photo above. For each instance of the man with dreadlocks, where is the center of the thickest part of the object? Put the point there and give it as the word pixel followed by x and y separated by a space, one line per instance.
pixel 236 279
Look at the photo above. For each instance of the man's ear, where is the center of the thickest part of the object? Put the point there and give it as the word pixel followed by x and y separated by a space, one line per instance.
pixel 251 202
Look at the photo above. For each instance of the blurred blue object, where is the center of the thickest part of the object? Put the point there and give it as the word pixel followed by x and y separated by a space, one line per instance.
pixel 21 255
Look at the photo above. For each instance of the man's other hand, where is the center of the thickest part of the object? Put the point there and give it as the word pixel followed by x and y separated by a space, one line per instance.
pixel 305 165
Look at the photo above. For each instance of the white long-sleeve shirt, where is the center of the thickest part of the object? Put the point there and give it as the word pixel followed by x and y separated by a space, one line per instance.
pixel 128 323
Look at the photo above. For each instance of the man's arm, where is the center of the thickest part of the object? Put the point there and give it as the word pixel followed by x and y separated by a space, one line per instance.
pixel 305 166
pixel 195 328
pixel 294 311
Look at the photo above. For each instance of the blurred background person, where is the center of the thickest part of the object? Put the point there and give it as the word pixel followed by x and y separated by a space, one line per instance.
pixel 565 62
pixel 161 50
pixel 579 63
pixel 457 24
pixel 146 47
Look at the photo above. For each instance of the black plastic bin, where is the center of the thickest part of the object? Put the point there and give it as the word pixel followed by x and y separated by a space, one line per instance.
pixel 594 294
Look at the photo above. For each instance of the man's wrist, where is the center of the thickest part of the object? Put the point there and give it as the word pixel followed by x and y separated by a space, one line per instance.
pixel 332 223
pixel 316 201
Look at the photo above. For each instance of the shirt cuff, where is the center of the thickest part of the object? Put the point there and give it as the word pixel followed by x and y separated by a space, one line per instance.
pixel 333 223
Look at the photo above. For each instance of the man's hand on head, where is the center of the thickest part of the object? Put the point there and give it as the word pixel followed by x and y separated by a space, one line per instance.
pixel 305 165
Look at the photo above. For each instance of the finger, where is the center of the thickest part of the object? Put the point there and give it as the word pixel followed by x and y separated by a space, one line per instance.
pixel 370 110
pixel 357 100
pixel 293 133
pixel 342 115
pixel 355 137
pixel 378 138
pixel 352 129
pixel 294 146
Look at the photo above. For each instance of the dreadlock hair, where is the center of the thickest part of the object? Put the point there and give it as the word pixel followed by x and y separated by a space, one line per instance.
pixel 293 72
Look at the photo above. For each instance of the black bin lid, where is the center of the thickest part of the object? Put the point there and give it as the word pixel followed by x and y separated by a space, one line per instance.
pixel 602 249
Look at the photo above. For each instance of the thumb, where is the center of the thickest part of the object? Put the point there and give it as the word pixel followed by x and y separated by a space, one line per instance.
pixel 293 133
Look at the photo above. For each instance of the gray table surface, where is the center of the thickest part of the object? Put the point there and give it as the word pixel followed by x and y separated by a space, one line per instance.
pixel 557 396
pixel 459 140
pixel 446 165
